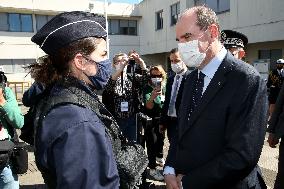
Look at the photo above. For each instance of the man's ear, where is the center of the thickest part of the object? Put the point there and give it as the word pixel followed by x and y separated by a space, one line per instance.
pixel 79 62
pixel 214 30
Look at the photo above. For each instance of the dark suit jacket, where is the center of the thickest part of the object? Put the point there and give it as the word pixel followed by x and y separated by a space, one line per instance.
pixel 164 113
pixel 276 122
pixel 220 145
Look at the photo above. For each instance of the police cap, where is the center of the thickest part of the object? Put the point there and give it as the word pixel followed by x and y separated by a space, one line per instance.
pixel 231 39
pixel 68 27
pixel 280 61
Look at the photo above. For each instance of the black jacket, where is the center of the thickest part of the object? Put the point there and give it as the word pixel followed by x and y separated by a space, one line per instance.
pixel 164 114
pixel 276 122
pixel 220 145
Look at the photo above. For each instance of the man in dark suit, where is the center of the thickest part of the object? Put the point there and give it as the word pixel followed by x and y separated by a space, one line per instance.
pixel 173 94
pixel 222 116
pixel 276 132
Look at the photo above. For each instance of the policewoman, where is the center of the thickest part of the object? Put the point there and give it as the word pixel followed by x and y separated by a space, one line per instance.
pixel 72 147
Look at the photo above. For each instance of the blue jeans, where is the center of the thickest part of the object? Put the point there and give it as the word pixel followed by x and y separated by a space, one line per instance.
pixel 8 179
pixel 128 127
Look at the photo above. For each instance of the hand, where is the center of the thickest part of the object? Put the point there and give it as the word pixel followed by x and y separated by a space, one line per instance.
pixel 179 178
pixel 138 60
pixel 156 92
pixel 2 98
pixel 171 182
pixel 272 140
pixel 162 129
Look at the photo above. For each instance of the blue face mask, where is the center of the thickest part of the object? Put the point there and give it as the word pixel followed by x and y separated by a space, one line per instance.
pixel 103 74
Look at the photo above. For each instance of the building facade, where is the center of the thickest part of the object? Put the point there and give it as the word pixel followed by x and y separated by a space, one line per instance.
pixel 147 27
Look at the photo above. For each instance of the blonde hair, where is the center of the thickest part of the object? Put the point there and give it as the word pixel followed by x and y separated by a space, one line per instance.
pixel 161 70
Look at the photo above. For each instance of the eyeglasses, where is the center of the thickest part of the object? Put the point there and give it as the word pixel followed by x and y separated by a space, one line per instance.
pixel 90 60
pixel 156 76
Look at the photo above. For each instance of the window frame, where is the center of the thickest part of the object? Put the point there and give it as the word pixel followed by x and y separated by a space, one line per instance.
pixel 176 14
pixel 218 6
pixel 20 26
pixel 120 27
pixel 161 26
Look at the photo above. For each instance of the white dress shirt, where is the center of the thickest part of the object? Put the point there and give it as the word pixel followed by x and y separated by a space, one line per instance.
pixel 174 114
pixel 209 71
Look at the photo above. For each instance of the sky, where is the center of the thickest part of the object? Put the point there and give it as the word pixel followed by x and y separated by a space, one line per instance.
pixel 124 1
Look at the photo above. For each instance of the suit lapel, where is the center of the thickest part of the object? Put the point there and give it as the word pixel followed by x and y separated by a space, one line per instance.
pixel 212 89
pixel 186 100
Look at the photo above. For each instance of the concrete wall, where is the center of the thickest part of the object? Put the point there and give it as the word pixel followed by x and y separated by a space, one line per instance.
pixel 123 43
pixel 43 5
pixel 152 40
pixel 260 20
pixel 252 49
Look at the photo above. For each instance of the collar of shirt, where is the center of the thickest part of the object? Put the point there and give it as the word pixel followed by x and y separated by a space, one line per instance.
pixel 183 72
pixel 210 69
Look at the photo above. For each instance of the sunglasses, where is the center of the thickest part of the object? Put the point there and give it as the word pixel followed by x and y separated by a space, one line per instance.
pixel 156 76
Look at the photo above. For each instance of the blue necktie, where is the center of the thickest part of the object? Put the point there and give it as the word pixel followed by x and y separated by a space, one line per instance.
pixel 197 92
pixel 174 96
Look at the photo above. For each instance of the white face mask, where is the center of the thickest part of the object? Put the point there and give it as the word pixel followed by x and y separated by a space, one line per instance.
pixel 178 67
pixel 190 54
pixel 156 81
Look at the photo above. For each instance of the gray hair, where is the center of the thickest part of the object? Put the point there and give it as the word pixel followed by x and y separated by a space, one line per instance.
pixel 205 16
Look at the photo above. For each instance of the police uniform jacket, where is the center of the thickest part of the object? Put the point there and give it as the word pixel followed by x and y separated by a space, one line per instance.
pixel 74 149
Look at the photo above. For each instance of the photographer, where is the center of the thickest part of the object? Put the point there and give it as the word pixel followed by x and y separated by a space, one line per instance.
pixel 154 96
pixel 10 119
pixel 123 90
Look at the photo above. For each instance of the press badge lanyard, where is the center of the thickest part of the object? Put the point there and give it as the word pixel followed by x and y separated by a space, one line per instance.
pixel 123 104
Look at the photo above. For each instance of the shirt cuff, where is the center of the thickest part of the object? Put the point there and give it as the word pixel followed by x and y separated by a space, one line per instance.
pixel 169 171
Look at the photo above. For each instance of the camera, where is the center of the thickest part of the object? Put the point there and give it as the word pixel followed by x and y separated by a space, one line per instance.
pixel 131 62
pixel 3 80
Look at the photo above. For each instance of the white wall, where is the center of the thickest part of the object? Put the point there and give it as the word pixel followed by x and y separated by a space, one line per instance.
pixel 152 40
pixel 44 5
pixel 260 20
pixel 123 43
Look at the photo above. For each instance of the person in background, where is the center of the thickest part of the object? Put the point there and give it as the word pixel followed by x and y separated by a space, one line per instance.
pixel 223 112
pixel 32 95
pixel 11 118
pixel 274 83
pixel 174 88
pixel 72 147
pixel 276 132
pixel 154 100
pixel 122 91
pixel 235 42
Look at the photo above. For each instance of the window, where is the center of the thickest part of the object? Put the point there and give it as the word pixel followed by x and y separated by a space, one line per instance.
pixel 15 65
pixel 16 22
pixel 272 54
pixel 159 20
pixel 175 13
pixel 218 6
pixel 41 20
pixel 122 27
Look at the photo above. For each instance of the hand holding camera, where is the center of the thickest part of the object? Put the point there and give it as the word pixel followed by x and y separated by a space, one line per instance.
pixel 156 92
pixel 135 58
